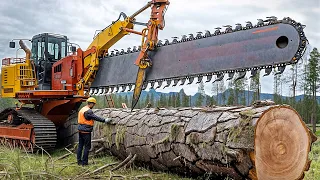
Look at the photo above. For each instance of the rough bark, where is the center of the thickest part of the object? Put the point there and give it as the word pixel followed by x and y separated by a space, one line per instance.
pixel 220 140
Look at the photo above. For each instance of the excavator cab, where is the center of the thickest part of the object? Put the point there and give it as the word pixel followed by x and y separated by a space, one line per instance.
pixel 34 71
pixel 47 49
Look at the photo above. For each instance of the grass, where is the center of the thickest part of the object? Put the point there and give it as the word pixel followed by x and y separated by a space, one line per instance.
pixel 15 164
pixel 314 155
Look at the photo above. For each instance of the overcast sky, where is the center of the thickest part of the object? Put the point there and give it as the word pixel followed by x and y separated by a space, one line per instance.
pixel 79 19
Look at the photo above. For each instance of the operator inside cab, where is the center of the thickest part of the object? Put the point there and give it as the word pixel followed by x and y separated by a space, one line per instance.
pixel 86 119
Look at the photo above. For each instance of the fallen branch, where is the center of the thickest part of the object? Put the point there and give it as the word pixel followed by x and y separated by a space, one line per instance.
pixel 124 162
pixel 98 140
pixel 100 168
pixel 143 176
pixel 116 175
pixel 130 162
pixel 68 150
pixel 100 149
pixel 64 156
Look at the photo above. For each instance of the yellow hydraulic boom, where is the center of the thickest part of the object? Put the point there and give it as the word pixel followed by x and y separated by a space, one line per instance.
pixel 112 34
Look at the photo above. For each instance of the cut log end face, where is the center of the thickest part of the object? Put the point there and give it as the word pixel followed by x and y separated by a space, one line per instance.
pixel 282 144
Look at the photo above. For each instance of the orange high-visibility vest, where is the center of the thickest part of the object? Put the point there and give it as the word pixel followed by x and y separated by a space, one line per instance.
pixel 82 119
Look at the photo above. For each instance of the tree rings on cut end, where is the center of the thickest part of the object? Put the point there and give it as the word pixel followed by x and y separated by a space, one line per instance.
pixel 282 144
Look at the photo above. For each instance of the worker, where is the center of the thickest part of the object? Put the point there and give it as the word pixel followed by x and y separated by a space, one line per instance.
pixel 86 119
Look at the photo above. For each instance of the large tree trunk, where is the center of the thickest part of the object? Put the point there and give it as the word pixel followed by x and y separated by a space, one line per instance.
pixel 265 142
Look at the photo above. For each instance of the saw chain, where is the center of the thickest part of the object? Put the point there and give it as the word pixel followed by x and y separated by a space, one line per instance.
pixel 189 79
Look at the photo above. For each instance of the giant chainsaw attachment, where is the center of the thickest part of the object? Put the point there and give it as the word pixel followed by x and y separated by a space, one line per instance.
pixel 269 44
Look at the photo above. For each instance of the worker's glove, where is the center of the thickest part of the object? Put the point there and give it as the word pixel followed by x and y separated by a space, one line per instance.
pixel 107 120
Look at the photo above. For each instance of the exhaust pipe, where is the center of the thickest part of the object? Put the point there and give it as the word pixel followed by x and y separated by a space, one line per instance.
pixel 26 49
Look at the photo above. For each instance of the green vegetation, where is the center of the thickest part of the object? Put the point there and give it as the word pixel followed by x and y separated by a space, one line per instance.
pixel 314 155
pixel 15 164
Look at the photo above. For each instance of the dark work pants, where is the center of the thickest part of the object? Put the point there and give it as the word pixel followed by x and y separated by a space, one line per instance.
pixel 84 140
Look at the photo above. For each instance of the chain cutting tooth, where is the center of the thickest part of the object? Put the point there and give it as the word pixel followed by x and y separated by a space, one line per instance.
pixel 238 27
pixel 130 87
pixel 208 34
pixel 184 38
pixel 168 83
pixel 280 70
pixel 199 79
pixel 231 75
pixel 134 49
pixel 191 79
pixel 91 91
pixel 191 37
pixel 219 77
pixel 95 91
pixel 144 86
pixel 199 35
pixel 272 19
pixel 175 40
pixel 228 28
pixel 183 80
pixel 159 84
pixel 112 53
pixel 267 71
pixel 117 52
pixel 111 89
pixel 129 50
pixel 166 42
pixel 254 72
pixel 159 44
pixel 152 84
pixel 209 77
pixel 217 31
pixel 104 91
pixel 123 88
pixel 249 25
pixel 122 51
pixel 260 22
pixel 175 82
pixel 117 88
pixel 99 91
pixel 241 75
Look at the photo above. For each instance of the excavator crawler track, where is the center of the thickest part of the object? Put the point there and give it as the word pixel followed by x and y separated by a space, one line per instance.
pixel 43 132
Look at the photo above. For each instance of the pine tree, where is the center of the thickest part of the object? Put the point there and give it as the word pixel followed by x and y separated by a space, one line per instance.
pixel 313 82
pixel 152 99
pixel 231 97
pixel 199 100
pixel 215 90
pixel 170 101
pixel 178 101
pixel 185 100
pixel 277 97
pixel 120 101
pixel 240 87
pixel 201 88
pixel 162 100
pixel 255 87
pixel 147 101
pixel 115 100
pixel 210 100
pixel 126 100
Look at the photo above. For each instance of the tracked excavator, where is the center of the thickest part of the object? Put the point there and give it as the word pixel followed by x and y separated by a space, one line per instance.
pixel 55 81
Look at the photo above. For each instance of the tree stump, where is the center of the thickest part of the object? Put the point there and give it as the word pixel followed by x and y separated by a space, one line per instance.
pixel 256 142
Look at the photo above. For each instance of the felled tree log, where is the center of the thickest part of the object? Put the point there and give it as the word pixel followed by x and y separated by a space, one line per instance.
pixel 267 142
